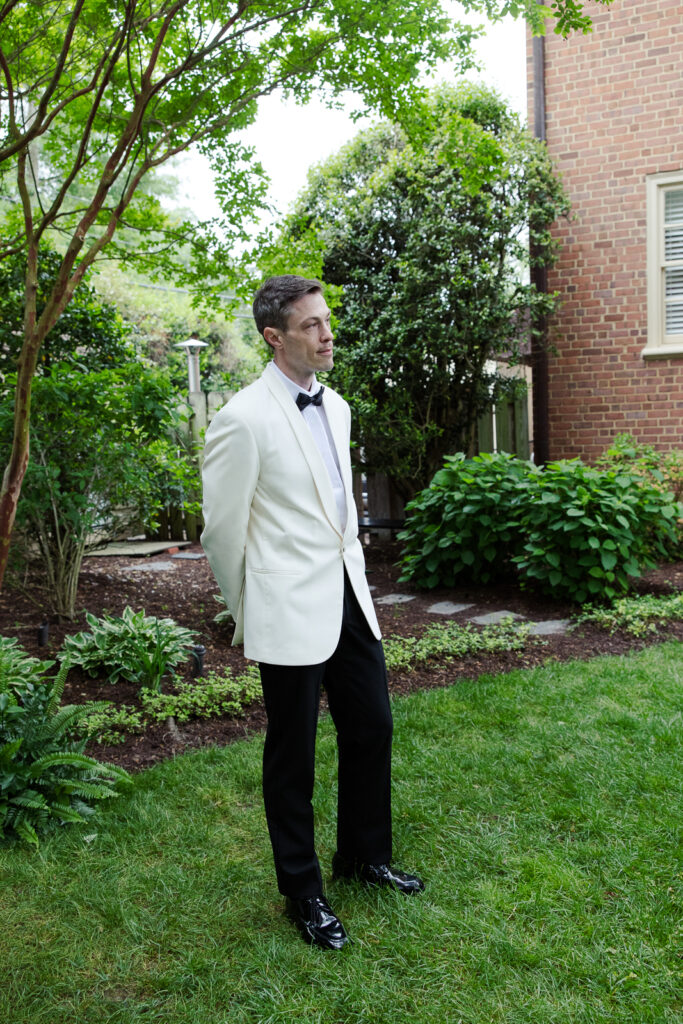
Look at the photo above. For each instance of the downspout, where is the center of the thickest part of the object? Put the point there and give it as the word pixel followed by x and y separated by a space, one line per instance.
pixel 539 279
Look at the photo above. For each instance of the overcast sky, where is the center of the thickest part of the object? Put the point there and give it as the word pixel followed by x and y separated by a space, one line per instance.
pixel 501 52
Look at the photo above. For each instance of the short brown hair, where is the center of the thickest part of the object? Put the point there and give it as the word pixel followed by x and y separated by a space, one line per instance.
pixel 276 296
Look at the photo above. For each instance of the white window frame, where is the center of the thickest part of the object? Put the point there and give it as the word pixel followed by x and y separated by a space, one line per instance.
pixel 659 344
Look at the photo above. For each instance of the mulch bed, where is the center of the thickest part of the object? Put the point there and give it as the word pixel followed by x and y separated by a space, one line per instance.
pixel 186 592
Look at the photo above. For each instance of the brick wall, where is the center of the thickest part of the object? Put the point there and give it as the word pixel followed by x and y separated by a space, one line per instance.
pixel 613 115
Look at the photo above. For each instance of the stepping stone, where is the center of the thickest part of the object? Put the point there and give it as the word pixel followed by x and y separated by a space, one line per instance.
pixel 493 618
pixel 395 599
pixel 447 608
pixel 149 567
pixel 189 556
pixel 141 548
pixel 549 627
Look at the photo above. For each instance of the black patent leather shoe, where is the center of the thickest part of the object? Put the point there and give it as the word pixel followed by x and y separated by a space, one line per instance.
pixel 383 875
pixel 318 925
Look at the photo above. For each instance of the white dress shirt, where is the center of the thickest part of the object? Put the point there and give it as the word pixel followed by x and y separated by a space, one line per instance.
pixel 316 420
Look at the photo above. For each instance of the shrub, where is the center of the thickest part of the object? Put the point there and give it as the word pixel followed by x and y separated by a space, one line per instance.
pixel 663 470
pixel 588 530
pixel 573 531
pixel 467 522
pixel 45 778
pixel 105 453
pixel 135 647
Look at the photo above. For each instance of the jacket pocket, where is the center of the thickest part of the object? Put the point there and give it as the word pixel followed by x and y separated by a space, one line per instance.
pixel 276 572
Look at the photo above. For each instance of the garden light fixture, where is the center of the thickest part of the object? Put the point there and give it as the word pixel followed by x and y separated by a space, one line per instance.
pixel 192 347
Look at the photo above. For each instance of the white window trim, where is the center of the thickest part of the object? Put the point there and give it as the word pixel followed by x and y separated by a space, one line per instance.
pixel 657 346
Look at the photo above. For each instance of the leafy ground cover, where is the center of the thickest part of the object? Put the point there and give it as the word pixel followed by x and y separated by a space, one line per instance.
pixel 542 806
pixel 186 593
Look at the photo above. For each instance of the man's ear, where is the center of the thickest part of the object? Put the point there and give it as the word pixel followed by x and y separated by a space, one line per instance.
pixel 272 338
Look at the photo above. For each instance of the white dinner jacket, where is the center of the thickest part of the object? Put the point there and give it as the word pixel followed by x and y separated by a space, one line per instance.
pixel 272 532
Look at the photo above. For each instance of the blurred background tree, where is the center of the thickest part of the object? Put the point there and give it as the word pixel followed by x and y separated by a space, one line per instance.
pixel 428 248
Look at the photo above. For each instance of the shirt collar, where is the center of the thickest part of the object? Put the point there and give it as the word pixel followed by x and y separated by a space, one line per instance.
pixel 292 386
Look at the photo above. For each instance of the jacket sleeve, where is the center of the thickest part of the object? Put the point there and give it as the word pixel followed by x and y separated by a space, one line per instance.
pixel 230 473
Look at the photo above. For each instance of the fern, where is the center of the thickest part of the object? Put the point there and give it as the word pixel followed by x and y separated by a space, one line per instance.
pixel 58 688
pixel 45 778
pixel 26 832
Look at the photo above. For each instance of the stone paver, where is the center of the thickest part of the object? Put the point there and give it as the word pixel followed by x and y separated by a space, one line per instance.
pixel 493 618
pixel 447 608
pixel 149 567
pixel 189 556
pixel 138 547
pixel 549 627
pixel 395 599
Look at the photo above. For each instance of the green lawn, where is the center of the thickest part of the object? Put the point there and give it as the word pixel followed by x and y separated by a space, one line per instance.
pixel 544 809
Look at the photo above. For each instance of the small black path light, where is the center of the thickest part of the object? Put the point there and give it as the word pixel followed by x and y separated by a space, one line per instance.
pixel 43 633
pixel 198 652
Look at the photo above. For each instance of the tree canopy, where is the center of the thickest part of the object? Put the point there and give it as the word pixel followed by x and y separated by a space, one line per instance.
pixel 429 246
pixel 94 96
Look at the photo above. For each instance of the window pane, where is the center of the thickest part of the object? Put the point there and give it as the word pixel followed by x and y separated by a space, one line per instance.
pixel 673 244
pixel 674 318
pixel 674 281
pixel 673 206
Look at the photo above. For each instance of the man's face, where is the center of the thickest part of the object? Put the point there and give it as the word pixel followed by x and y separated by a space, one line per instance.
pixel 305 347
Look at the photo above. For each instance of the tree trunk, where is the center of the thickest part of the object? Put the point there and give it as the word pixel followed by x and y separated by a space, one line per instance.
pixel 9 499
pixel 18 461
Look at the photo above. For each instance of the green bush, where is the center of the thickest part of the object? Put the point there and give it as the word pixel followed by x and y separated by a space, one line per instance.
pixel 663 469
pixel 572 531
pixel 106 457
pixel 588 531
pixel 135 647
pixel 45 778
pixel 467 522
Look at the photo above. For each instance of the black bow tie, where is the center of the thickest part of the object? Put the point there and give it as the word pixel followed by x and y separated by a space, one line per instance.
pixel 303 400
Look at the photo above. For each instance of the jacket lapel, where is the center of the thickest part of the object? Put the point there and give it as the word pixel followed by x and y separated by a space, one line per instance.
pixel 308 447
pixel 335 418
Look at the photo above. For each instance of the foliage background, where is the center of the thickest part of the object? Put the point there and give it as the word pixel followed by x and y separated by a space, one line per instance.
pixel 428 245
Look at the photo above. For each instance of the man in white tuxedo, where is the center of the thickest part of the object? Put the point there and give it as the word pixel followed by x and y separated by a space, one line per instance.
pixel 281 535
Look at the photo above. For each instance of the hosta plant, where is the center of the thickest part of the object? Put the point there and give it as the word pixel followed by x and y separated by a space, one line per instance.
pixel 17 667
pixel 135 647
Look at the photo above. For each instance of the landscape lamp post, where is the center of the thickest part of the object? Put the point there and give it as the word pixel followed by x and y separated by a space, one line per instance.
pixel 192 347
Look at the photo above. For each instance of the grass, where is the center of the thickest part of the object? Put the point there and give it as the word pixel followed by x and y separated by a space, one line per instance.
pixel 543 808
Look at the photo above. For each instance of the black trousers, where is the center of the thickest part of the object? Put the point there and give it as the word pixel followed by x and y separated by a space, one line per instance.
pixel 355 680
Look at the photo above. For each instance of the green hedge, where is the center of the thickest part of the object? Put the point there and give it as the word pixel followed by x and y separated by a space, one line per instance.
pixel 572 531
